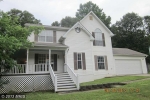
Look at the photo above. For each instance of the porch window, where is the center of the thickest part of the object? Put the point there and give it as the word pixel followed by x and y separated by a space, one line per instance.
pixel 101 62
pixel 41 58
pixel 45 36
pixel 79 60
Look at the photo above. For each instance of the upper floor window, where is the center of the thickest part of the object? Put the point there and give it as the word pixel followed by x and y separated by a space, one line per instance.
pixel 45 36
pixel 99 38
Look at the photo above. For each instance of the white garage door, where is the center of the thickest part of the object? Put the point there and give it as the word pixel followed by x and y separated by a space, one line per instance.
pixel 128 66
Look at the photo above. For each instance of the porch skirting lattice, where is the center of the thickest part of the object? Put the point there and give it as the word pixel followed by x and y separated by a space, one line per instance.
pixel 27 83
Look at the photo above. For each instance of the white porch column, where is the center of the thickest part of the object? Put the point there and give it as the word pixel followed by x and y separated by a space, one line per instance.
pixel 65 68
pixel 66 51
pixel 49 57
pixel 27 62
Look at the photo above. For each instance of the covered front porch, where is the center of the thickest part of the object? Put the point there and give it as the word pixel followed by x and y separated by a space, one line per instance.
pixel 37 60
pixel 44 60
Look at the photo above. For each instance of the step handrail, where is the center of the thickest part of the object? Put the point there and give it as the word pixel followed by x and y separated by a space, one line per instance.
pixel 73 75
pixel 54 77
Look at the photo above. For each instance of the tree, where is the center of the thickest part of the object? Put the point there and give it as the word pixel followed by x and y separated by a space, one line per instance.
pixel 82 12
pixel 56 23
pixel 89 6
pixel 129 33
pixel 147 24
pixel 68 21
pixel 23 17
pixel 12 38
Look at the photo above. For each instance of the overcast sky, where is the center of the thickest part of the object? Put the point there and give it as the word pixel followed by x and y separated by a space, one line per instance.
pixel 49 11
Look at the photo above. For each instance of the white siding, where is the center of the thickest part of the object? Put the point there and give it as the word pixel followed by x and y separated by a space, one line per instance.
pixel 91 25
pixel 79 42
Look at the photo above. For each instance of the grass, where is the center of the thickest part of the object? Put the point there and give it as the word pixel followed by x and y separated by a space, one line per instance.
pixel 134 91
pixel 114 79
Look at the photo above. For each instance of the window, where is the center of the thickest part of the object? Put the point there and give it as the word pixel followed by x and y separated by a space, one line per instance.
pixel 101 62
pixel 46 36
pixel 79 60
pixel 42 58
pixel 91 17
pixel 98 38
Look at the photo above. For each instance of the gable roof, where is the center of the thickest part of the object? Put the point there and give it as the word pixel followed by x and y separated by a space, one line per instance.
pixel 91 12
pixel 82 27
pixel 126 52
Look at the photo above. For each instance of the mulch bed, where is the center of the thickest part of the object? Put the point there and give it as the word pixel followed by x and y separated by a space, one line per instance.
pixel 99 86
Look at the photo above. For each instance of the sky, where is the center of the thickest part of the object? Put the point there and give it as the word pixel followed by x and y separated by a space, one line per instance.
pixel 49 11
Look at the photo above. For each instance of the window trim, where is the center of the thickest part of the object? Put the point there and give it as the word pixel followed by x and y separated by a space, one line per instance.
pixel 79 60
pixel 103 62
pixel 45 38
pixel 46 55
pixel 95 39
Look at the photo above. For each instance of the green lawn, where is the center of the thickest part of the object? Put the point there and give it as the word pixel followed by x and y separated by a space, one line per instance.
pixel 134 91
pixel 114 79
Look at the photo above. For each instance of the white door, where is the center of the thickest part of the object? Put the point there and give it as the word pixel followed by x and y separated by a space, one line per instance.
pixel 128 66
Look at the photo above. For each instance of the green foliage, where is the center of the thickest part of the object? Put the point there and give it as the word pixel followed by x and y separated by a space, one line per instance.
pixel 129 33
pixel 56 23
pixel 12 38
pixel 23 17
pixel 83 10
pixel 147 24
pixel 68 21
pixel 89 6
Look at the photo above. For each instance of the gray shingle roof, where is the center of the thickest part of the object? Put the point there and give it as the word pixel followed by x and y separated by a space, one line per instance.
pixel 49 27
pixel 50 44
pixel 127 52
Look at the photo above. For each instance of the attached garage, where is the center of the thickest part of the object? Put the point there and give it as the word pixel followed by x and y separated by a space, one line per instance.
pixel 129 62
pixel 128 66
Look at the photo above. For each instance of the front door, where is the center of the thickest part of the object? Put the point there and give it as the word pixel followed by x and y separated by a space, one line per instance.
pixel 54 61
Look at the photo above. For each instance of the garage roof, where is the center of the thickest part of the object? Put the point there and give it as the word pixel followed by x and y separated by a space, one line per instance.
pixel 127 52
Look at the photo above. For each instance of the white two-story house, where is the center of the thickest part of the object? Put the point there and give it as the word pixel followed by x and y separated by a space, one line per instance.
pixel 61 58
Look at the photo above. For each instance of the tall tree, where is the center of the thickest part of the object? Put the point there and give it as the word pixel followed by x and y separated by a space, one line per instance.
pixel 23 17
pixel 129 33
pixel 147 24
pixel 12 38
pixel 89 6
pixel 68 21
pixel 56 23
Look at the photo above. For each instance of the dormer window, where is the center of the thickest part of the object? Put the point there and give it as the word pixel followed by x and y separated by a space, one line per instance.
pixel 99 38
pixel 45 36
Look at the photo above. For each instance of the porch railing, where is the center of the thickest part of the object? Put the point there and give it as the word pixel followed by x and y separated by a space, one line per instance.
pixel 39 68
pixel 32 69
pixel 19 69
pixel 53 76
pixel 72 75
